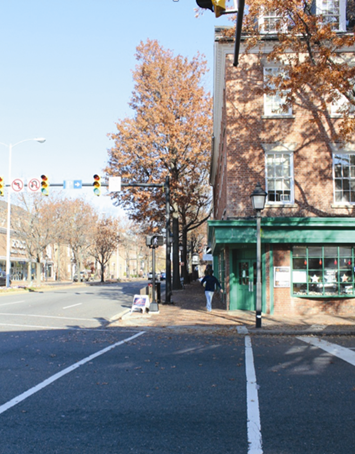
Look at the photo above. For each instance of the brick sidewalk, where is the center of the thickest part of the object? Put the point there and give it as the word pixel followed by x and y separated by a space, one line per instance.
pixel 189 310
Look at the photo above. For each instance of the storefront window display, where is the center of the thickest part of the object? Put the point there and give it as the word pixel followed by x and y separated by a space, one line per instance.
pixel 323 271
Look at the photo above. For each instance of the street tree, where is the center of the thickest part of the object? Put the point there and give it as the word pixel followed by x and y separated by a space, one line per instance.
pixel 79 221
pixel 37 222
pixel 104 242
pixel 169 134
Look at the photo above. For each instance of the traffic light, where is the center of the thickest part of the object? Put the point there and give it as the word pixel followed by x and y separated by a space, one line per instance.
pixel 2 186
pixel 218 6
pixel 44 185
pixel 97 185
pixel 154 241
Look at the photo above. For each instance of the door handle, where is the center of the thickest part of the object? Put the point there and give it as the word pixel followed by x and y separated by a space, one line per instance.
pixel 250 286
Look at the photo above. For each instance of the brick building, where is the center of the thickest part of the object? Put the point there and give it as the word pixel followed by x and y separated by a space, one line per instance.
pixel 308 224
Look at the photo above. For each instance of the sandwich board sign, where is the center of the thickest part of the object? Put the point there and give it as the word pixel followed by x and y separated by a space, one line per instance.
pixel 140 302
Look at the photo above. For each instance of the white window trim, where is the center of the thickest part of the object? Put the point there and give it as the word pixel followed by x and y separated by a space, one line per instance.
pixel 280 149
pixel 341 202
pixel 267 113
pixel 342 14
pixel 261 22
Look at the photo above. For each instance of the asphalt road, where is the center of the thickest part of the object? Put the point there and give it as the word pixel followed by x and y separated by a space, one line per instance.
pixel 111 390
pixel 67 307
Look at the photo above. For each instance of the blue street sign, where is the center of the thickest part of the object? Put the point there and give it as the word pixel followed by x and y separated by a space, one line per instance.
pixel 78 184
pixel 68 184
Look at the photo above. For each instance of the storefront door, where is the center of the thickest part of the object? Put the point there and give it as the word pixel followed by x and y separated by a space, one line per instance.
pixel 243 288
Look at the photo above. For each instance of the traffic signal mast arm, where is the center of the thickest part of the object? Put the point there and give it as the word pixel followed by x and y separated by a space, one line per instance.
pixel 219 8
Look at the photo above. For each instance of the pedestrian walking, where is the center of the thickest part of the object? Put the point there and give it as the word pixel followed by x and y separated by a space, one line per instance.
pixel 211 282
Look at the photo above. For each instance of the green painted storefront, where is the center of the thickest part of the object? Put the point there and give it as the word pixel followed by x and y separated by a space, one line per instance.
pixel 234 242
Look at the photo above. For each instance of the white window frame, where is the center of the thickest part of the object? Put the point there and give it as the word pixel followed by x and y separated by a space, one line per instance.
pixel 322 11
pixel 291 178
pixel 347 176
pixel 342 103
pixel 269 16
pixel 273 103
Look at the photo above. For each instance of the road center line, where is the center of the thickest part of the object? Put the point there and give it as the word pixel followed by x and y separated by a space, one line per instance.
pixel 50 316
pixel 9 304
pixel 73 305
pixel 336 350
pixel 253 412
pixel 54 328
pixel 53 378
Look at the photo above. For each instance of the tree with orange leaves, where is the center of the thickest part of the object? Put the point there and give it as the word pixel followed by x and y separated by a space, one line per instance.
pixel 314 42
pixel 168 135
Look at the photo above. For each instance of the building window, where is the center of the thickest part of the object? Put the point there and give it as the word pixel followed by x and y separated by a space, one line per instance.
pixel 279 177
pixel 342 105
pixel 270 22
pixel 333 12
pixel 275 104
pixel 344 177
pixel 323 271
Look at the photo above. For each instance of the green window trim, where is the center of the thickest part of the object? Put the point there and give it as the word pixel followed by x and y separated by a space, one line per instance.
pixel 323 271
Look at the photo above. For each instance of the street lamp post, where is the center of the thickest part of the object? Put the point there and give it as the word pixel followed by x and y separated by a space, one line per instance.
pixel 258 198
pixel 8 263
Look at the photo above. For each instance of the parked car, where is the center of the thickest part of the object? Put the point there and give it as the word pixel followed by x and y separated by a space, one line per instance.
pixel 157 275
pixel 84 277
pixel 163 276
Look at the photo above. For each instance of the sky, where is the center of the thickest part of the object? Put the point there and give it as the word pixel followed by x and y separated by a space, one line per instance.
pixel 66 75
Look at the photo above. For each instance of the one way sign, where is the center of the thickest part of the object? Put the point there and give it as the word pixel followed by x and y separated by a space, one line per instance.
pixel 78 184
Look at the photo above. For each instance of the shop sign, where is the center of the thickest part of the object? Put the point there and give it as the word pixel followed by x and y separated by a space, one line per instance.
pixel 282 276
pixel 300 277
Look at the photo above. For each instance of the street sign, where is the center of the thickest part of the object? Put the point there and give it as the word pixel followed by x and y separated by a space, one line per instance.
pixel 114 184
pixel 33 185
pixel 17 185
pixel 78 184
pixel 68 184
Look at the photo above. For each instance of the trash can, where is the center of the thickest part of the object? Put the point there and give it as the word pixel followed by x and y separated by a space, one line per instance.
pixel 157 292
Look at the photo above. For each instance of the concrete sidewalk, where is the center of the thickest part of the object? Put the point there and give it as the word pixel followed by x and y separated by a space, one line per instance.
pixel 189 311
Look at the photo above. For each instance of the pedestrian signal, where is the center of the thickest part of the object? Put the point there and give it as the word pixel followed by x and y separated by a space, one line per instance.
pixel 217 6
pixel 97 185
pixel 44 185
pixel 2 186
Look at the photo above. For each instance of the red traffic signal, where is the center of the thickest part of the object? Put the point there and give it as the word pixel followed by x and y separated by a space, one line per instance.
pixel 44 185
pixel 97 184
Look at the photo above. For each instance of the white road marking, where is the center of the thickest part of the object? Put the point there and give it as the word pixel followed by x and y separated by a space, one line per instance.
pixel 336 350
pixel 253 412
pixel 50 316
pixel 9 304
pixel 53 327
pixel 53 378
pixel 73 305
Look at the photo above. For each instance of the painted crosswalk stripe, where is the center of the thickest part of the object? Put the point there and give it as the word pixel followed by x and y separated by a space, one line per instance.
pixel 336 350
pixel 253 412
pixel 53 378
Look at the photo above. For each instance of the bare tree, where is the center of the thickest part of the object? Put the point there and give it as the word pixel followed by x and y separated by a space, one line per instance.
pixel 105 240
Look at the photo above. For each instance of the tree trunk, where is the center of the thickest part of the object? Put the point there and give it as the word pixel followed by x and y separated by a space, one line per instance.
pixel 102 272
pixel 184 268
pixel 38 272
pixel 29 272
pixel 58 262
pixel 176 271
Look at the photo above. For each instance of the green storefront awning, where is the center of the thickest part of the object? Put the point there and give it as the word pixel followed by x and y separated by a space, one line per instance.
pixel 282 230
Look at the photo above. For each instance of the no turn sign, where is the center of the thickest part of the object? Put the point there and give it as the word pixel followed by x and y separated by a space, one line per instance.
pixel 17 185
pixel 33 185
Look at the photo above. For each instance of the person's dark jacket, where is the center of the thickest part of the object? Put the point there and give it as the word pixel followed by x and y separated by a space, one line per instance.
pixel 211 283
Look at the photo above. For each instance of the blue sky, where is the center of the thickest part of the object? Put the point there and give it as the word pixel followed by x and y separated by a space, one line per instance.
pixel 66 75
